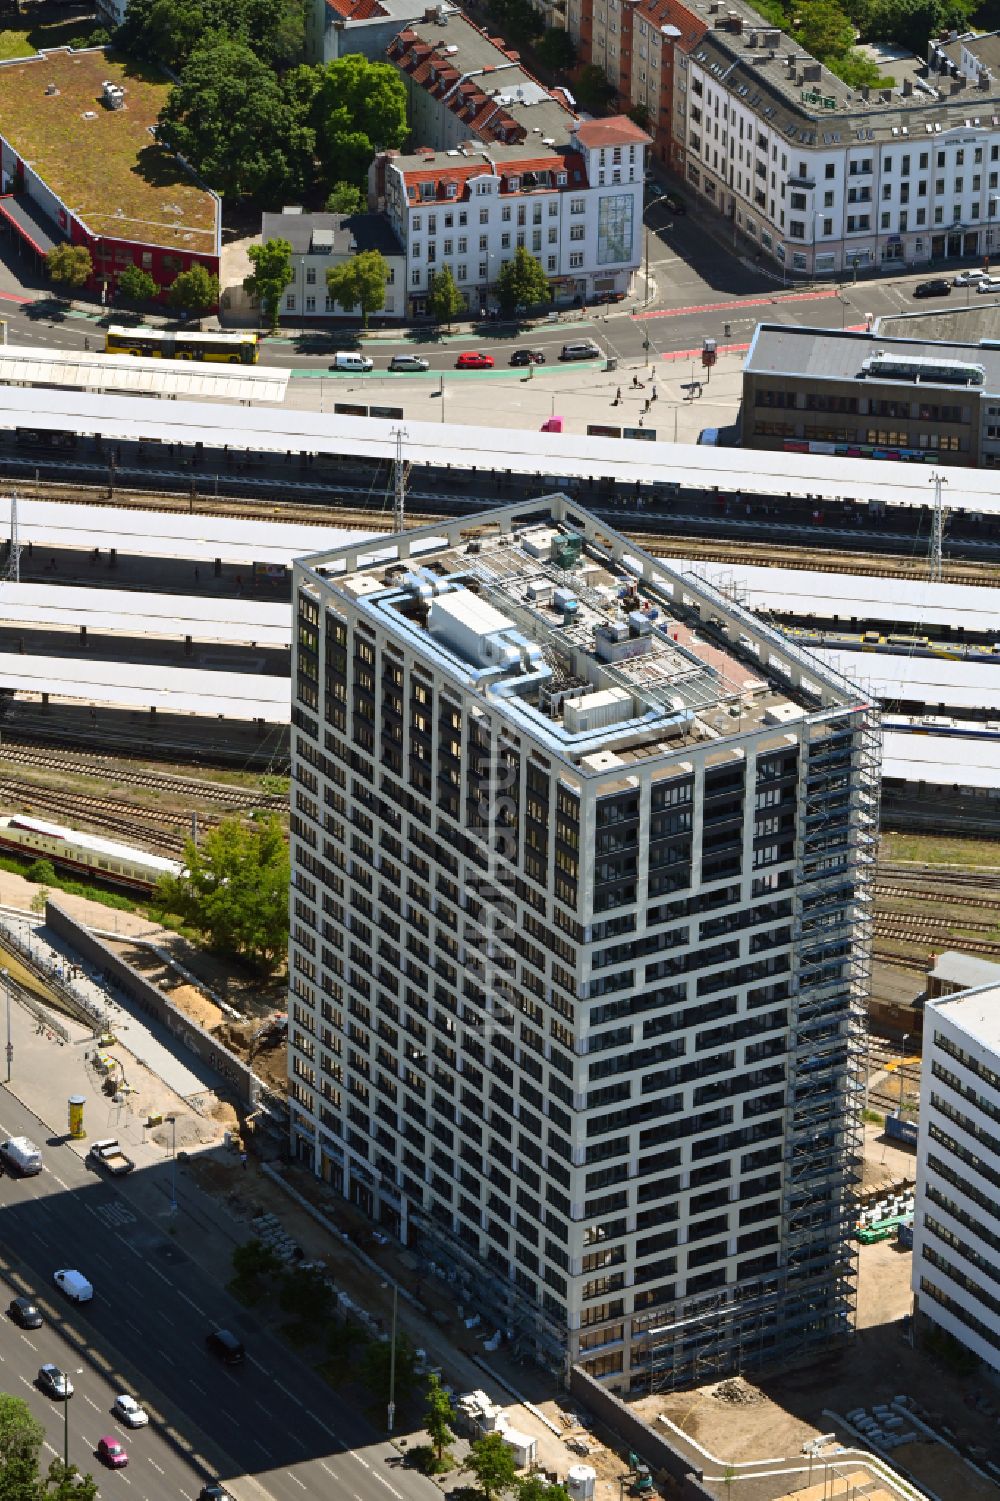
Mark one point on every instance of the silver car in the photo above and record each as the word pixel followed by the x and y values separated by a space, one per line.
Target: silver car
pixel 54 1382
pixel 127 1410
pixel 412 362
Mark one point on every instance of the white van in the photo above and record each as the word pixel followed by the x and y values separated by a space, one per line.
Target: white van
pixel 360 364
pixel 22 1155
pixel 74 1285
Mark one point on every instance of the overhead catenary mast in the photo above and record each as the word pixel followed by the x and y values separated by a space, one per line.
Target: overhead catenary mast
pixel 399 476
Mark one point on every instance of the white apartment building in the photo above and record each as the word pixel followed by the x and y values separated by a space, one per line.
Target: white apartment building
pixel 956 1228
pixel 823 178
pixel 581 858
pixel 320 241
pixel 579 212
pixel 502 164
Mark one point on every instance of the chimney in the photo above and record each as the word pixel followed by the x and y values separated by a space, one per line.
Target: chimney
pixel 958 84
pixel 984 81
pixel 865 93
pixel 791 68
pixel 812 73
pixel 885 95
pixel 907 87
pixel 735 23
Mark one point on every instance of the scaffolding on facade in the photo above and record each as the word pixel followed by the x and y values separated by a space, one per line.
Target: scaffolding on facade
pixel 809 1302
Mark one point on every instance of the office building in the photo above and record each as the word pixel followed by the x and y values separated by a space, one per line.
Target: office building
pixel 956 1228
pixel 582 858
pixel 861 395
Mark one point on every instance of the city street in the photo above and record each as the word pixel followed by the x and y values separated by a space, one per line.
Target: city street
pixel 268 1429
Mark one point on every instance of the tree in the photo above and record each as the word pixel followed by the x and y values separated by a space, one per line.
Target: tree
pixel 234 889
pixel 169 31
pixel 21 1434
pixel 492 1463
pixel 522 282
pixel 230 118
pixel 438 1416
pixel 376 1369
pixel 639 115
pixel 824 30
pixel 556 50
pixel 136 285
pixel 592 89
pixel 272 273
pixel 858 71
pixel 345 198
pixel 306 1296
pixel 359 109
pixel 66 1483
pixel 905 23
pixel 536 1488
pixel 360 282
pixel 444 300
pixel 70 265
pixel 194 291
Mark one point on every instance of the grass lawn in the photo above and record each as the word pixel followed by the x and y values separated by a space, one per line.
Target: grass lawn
pixel 934 849
pixel 24 41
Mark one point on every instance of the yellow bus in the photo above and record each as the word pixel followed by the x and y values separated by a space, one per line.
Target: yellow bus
pixel 165 343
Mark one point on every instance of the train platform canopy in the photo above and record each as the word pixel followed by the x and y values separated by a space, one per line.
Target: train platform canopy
pixel 170 534
pixel 557 459
pixel 24 365
pixel 938 683
pixel 234 622
pixel 139 685
pixel 846 597
pixel 942 760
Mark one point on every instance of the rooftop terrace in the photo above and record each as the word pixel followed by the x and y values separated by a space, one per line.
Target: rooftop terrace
pixel 104 164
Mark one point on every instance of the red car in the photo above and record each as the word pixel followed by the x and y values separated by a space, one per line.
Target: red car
pixel 474 361
pixel 111 1452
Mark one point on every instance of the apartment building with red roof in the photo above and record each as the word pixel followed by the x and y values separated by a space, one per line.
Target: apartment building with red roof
pixel 503 163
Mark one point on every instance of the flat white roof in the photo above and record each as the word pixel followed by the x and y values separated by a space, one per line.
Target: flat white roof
pixel 842 596
pixel 137 685
pixel 927 680
pixel 974 1012
pixel 941 760
pixel 550 456
pixel 29 366
pixel 237 622
pixel 170 534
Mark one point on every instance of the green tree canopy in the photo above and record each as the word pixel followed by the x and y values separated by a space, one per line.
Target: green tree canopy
pixel 518 21
pixel 21 1434
pixel 272 273
pixel 234 889
pixel 823 29
pixel 439 1415
pixel 194 291
pixel 169 31
pixel 592 88
pixel 70 265
pixel 491 1461
pixel 136 285
pixel 444 300
pixel 536 1488
pixel 66 1483
pixel 359 109
pixel 556 50
pixel 376 1368
pixel 522 282
pixel 229 116
pixel 360 282
pixel 345 198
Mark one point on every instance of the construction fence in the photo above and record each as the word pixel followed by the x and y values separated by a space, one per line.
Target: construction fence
pixel 654 1449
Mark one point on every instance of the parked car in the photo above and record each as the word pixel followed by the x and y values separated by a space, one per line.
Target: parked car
pixel 54 1382
pixel 674 204
pixel 937 288
pixel 473 360
pixel 25 1313
pixel 583 349
pixel 223 1342
pixel 111 1452
pixel 74 1285
pixel 989 284
pixel 968 278
pixel 528 357
pixel 409 362
pixel 127 1410
pixel 356 364
pixel 600 298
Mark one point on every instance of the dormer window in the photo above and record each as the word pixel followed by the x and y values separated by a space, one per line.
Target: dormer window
pixel 450 190
pixel 515 183
pixel 561 179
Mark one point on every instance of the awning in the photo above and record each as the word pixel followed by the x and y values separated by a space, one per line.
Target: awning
pixel 27 220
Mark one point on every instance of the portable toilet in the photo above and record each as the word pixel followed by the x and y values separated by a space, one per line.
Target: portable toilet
pixel 581 1483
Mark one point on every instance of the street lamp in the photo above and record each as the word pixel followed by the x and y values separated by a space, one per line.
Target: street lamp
pixel 172 1120
pixel 5 977
pixel 899 1111
pixel 391 1414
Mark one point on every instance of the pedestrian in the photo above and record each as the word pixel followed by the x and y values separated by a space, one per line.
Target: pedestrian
pixel 635 382
pixel 197 573
pixel 243 1161
pixel 653 398
pixel 618 397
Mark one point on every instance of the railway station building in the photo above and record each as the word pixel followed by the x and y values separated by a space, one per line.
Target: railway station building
pixel 78 163
pixel 581 862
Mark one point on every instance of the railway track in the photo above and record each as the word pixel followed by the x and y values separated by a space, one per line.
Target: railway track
pixel 89 811
pixel 659 544
pixel 936 895
pixel 899 933
pixel 107 768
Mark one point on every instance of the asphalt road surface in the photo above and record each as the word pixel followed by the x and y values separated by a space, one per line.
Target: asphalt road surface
pixel 268 1429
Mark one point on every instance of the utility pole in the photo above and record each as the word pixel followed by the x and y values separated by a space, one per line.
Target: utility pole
pixel 399 501
pixel 936 573
pixel 391 1415
pixel 5 977
pixel 13 569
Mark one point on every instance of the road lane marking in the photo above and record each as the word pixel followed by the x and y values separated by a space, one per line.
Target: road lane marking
pixel 229 1417
pixel 194 1305
pixel 156 1467
pixel 298 1482
pixel 27 1341
pixel 197 1387
pixel 323 1466
pixel 355 1455
pixel 92 1402
pixel 262 1407
pixel 164 1356
pixel 263 1447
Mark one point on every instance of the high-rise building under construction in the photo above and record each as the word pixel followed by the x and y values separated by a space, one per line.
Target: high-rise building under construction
pixel 582 875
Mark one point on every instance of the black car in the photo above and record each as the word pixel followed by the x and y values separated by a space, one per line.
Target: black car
pixel 937 288
pixel 213 1492
pixel 528 357
pixel 223 1342
pixel 674 204
pixel 25 1313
